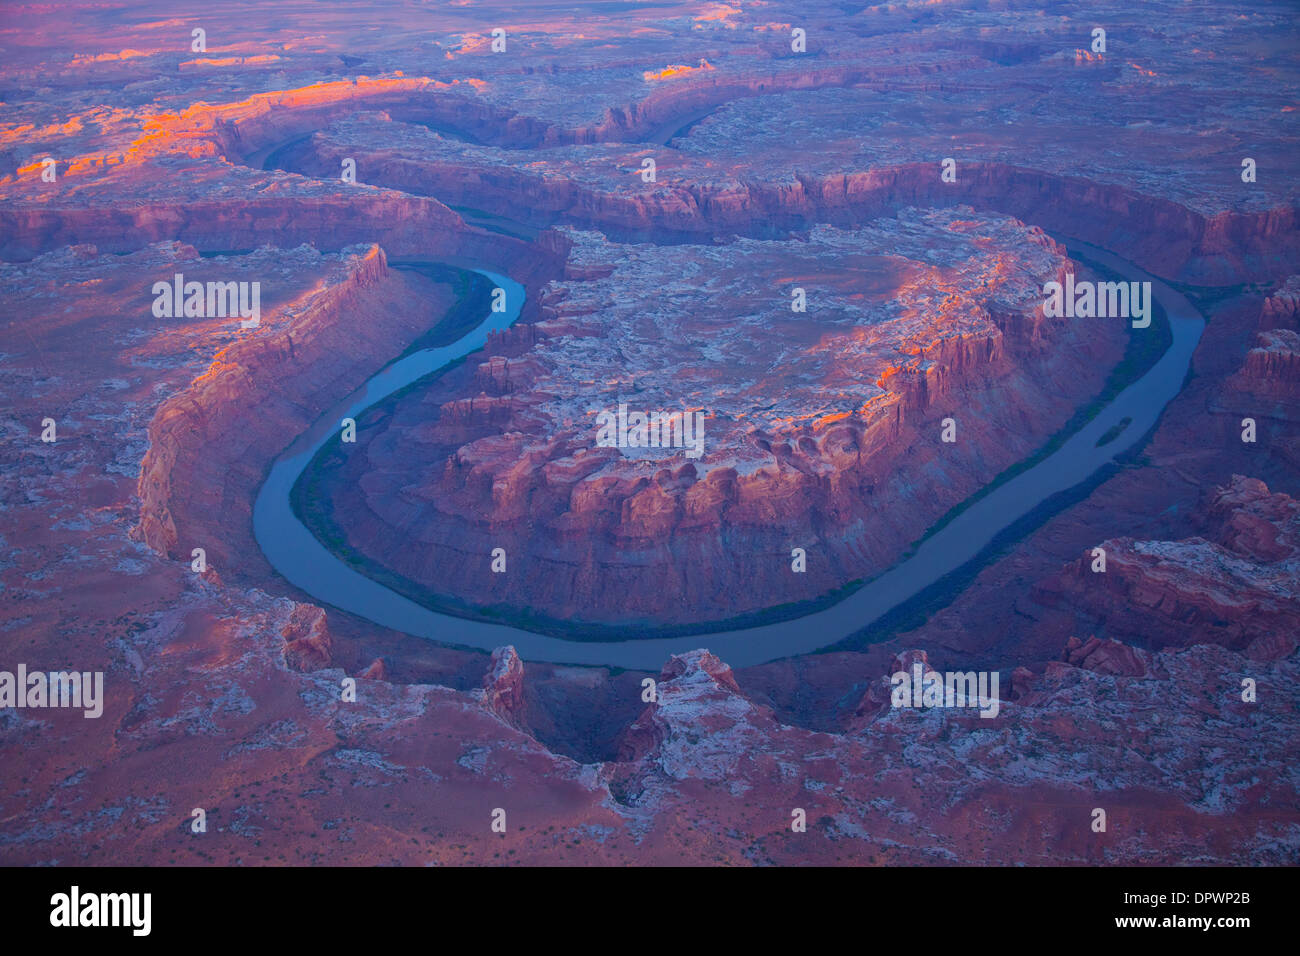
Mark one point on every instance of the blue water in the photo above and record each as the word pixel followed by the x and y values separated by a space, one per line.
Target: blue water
pixel 296 554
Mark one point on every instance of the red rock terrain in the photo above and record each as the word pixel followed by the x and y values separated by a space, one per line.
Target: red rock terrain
pixel 822 429
pixel 225 690
pixel 1235 586
pixel 1268 384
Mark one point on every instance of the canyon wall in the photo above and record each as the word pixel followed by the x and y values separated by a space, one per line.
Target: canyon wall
pixel 210 444
pixel 694 89
pixel 417 226
pixel 1268 382
pixel 1161 236
pixel 1232 585
pixel 483 459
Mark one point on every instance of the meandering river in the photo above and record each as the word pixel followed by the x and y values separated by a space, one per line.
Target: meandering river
pixel 304 561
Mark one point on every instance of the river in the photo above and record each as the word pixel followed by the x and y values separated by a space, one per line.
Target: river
pixel 305 562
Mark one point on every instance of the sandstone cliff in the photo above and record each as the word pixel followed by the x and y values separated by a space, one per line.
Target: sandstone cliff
pixel 1234 586
pixel 1268 383
pixel 211 441
pixel 822 431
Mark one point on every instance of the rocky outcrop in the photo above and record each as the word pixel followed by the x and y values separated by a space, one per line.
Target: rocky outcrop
pixel 307 643
pixel 1249 520
pixel 1273 365
pixel 1105 657
pixel 1268 384
pixel 376 670
pixel 696 700
pixel 877 698
pixel 503 686
pixel 213 438
pixel 1281 310
pixel 1234 587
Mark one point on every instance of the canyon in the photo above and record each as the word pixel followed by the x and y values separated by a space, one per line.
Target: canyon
pixel 823 170
pixel 816 423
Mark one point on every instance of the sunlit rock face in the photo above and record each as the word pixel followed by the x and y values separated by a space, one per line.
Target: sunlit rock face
pixel 811 379
pixel 1138 146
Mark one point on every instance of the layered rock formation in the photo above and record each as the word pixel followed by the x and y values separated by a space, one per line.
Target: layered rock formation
pixel 211 438
pixel 1235 586
pixel 693 196
pixel 1268 384
pixel 306 639
pixel 1106 657
pixel 223 687
pixel 503 686
pixel 821 429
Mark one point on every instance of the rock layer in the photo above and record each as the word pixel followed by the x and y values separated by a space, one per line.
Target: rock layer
pixel 1235 586
pixel 822 429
